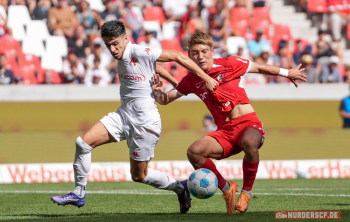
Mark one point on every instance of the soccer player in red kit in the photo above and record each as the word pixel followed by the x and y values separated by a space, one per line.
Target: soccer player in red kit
pixel 238 126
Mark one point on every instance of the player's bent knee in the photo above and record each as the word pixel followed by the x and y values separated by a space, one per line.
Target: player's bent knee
pixel 251 141
pixel 138 178
pixel 194 150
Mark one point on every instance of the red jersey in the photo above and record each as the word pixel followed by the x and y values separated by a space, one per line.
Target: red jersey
pixel 339 5
pixel 227 95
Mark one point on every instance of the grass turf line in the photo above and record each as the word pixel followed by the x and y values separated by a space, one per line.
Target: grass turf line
pixel 116 207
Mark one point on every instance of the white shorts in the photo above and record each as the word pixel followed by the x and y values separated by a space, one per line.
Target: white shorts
pixel 138 122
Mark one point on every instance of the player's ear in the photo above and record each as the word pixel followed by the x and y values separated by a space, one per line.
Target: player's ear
pixel 125 39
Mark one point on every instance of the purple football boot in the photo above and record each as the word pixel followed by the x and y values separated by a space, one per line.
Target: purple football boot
pixel 184 198
pixel 70 198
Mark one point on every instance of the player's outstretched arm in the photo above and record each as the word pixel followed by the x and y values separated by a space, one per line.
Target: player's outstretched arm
pixel 292 74
pixel 170 55
pixel 165 75
pixel 163 98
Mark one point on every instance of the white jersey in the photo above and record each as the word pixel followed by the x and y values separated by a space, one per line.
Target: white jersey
pixel 137 120
pixel 135 71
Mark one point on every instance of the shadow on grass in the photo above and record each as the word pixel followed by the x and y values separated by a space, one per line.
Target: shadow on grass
pixel 95 216
pixel 144 217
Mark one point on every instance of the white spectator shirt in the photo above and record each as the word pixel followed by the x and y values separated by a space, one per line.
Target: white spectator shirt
pixel 154 43
pixel 135 70
pixel 178 7
pixel 101 73
pixel 105 60
pixel 3 15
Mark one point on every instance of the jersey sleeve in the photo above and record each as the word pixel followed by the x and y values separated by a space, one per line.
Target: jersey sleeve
pixel 183 88
pixel 240 66
pixel 146 55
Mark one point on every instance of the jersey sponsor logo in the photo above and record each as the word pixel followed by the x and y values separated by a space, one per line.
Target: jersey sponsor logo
pixel 147 50
pixel 219 78
pixel 203 95
pixel 133 61
pixel 135 153
pixel 132 76
pixel 242 60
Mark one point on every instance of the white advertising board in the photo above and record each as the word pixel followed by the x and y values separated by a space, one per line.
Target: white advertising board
pixel 120 171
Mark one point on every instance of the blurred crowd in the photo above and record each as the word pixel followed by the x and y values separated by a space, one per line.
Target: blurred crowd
pixel 89 62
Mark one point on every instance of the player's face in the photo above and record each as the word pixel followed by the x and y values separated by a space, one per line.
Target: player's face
pixel 116 45
pixel 202 55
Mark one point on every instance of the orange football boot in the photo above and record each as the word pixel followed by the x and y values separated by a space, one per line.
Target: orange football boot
pixel 242 202
pixel 229 197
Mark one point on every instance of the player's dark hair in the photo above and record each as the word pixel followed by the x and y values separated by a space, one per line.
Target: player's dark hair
pixel 114 28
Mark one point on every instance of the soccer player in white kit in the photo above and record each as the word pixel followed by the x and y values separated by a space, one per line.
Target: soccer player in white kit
pixel 137 119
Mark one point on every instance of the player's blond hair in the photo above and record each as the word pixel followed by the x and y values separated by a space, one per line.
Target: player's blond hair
pixel 199 38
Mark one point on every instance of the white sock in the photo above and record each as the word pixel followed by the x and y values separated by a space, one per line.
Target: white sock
pixel 226 187
pixel 248 192
pixel 160 180
pixel 81 166
pixel 80 191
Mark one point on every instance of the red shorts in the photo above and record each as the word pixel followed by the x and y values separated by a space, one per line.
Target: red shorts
pixel 229 135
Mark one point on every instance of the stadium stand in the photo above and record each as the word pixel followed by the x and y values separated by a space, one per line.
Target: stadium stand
pixel 57 45
pixel 32 45
pixel 154 13
pixel 24 38
pixel 38 30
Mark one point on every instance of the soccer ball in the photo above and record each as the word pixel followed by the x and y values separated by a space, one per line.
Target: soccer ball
pixel 202 183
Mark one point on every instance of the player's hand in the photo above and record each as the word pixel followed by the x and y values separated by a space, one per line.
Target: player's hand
pixel 157 85
pixel 210 84
pixel 295 74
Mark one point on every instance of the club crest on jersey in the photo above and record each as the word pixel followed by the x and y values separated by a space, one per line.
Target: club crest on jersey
pixel 219 78
pixel 147 50
pixel 132 76
pixel 133 61
pixel 204 95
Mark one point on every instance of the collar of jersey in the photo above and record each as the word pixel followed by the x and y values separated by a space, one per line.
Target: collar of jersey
pixel 126 53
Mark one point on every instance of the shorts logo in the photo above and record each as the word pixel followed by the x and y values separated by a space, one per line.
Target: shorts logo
pixel 135 153
pixel 219 78
pixel 147 50
pixel 132 76
pixel 228 103
pixel 133 61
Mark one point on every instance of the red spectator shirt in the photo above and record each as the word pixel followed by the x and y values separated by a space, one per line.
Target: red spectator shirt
pixel 228 72
pixel 339 5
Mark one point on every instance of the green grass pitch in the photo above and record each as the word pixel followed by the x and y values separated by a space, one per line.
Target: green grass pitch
pixel 128 201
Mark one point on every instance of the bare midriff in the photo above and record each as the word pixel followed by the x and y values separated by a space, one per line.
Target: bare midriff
pixel 239 110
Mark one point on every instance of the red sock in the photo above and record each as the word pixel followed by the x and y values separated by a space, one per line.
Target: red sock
pixel 209 164
pixel 249 172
